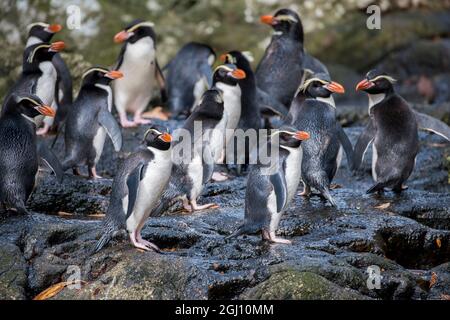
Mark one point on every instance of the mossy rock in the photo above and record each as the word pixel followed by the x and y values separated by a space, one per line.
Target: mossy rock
pixel 294 285
pixel 13 273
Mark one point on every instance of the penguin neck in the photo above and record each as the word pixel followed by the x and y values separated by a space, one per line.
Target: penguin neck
pixel 329 100
pixel 28 118
pixel 32 41
pixel 375 99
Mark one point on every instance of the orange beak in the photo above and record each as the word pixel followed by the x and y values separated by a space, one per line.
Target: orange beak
pixel 114 74
pixel 238 74
pixel 335 87
pixel 301 135
pixel 166 137
pixel 364 85
pixel 57 46
pixel 121 36
pixel 54 28
pixel 46 111
pixel 223 57
pixel 268 19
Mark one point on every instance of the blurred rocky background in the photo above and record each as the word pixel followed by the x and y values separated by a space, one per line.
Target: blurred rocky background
pixel 413 43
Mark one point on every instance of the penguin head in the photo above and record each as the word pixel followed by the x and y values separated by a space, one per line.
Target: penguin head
pixel 157 137
pixel 42 52
pixel 228 74
pixel 28 105
pixel 43 31
pixel 241 59
pixel 135 31
pixel 290 137
pixel 99 75
pixel 320 86
pixel 376 82
pixel 285 22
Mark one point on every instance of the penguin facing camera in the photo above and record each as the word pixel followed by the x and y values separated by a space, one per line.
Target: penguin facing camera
pixel 38 33
pixel 90 120
pixel 140 180
pixel 314 110
pixel 393 132
pixel 188 76
pixel 270 191
pixel 19 153
pixel 137 59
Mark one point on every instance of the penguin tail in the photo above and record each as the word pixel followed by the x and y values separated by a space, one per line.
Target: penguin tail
pixel 376 188
pixel 327 195
pixel 110 228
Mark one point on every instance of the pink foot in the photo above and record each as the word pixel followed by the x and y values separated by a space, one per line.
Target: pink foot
pixel 125 123
pixel 219 177
pixel 43 131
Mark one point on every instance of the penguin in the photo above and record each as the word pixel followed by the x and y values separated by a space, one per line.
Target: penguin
pixel 217 112
pixel 270 189
pixel 280 71
pixel 90 120
pixel 393 131
pixel 19 153
pixel 38 73
pixel 40 32
pixel 314 110
pixel 137 59
pixel 189 74
pixel 250 112
pixel 140 180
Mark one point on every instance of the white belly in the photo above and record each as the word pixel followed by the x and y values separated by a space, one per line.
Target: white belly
pixel 339 159
pixel 374 162
pixel 151 187
pixel 195 173
pixel 272 208
pixel 99 143
pixel 293 172
pixel 134 91
pixel 232 106
pixel 45 89
pixel 217 139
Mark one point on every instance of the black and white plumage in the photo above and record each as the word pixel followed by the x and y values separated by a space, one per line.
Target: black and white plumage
pixel 393 131
pixel 280 71
pixel 314 110
pixel 188 76
pixel 137 61
pixel 39 75
pixel 140 180
pixel 271 188
pixel 218 107
pixel 40 33
pixel 19 153
pixel 90 120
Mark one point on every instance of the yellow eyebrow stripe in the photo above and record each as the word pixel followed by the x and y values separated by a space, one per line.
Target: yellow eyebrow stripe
pixel 142 24
pixel 92 70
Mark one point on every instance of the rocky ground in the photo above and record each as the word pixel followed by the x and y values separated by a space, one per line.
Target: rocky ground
pixel 406 236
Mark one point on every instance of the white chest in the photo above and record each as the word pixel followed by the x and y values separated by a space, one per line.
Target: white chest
pixel 375 99
pixel 293 171
pixel 232 103
pixel 138 62
pixel 45 86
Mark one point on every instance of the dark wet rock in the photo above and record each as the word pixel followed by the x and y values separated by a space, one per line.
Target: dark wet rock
pixel 293 285
pixel 406 236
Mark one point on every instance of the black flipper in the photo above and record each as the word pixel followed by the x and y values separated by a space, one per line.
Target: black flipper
pixel 107 121
pixel 133 181
pixel 270 106
pixel 346 144
pixel 434 125
pixel 362 144
pixel 279 187
pixel 51 161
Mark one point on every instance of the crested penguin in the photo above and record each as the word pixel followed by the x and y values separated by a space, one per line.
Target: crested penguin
pixel 90 120
pixel 270 188
pixel 207 129
pixel 280 71
pixel 393 131
pixel 250 121
pixel 38 74
pixel 19 153
pixel 40 32
pixel 140 180
pixel 314 110
pixel 137 59
pixel 188 75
